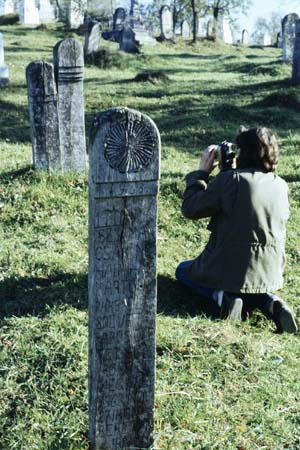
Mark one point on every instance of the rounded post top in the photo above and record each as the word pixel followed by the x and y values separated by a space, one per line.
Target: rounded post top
pixel 68 53
pixel 124 145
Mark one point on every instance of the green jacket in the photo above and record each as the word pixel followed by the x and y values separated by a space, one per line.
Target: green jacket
pixel 246 248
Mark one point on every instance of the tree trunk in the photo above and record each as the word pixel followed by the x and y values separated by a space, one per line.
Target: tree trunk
pixel 195 17
pixel 216 12
pixel 175 16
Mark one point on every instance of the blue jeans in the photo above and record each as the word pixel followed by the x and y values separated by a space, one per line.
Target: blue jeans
pixel 182 276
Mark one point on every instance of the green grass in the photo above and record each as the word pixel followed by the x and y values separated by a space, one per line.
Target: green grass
pixel 219 385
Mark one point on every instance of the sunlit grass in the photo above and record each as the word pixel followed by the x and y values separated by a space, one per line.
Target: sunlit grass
pixel 219 386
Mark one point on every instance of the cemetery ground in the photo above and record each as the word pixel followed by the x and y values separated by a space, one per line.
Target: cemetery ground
pixel 219 385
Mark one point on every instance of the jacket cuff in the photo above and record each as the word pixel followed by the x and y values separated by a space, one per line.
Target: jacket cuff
pixel 197 177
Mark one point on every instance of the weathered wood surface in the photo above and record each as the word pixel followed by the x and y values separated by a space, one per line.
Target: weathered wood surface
pixel 68 65
pixel 123 185
pixel 42 100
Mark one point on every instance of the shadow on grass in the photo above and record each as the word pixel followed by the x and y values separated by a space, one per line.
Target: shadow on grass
pixel 174 299
pixel 14 123
pixel 291 178
pixel 13 174
pixel 36 295
pixel 13 49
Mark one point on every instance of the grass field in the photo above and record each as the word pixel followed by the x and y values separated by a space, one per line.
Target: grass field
pixel 219 385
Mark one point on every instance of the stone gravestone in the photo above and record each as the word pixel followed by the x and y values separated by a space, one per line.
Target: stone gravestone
pixel 185 29
pixel 209 28
pixel 119 19
pixel 128 43
pixel 288 26
pixel 267 39
pixel 3 66
pixel 92 37
pixel 75 14
pixel 201 27
pixel 296 56
pixel 68 65
pixel 47 12
pixel 166 23
pixel 245 37
pixel 123 185
pixel 29 14
pixel 42 101
pixel 226 34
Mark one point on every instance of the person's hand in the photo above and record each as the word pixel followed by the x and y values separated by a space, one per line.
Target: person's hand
pixel 208 160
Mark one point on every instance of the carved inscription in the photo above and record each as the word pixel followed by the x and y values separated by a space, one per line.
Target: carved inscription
pixel 122 303
pixel 126 189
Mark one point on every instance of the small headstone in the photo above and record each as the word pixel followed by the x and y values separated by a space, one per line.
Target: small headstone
pixel 166 23
pixel 68 65
pixel 201 27
pixel 76 13
pixel 226 31
pixel 92 37
pixel 267 39
pixel 288 25
pixel 128 43
pixel 119 19
pixel 123 185
pixel 3 66
pixel 185 29
pixel 245 37
pixel 42 101
pixel 209 28
pixel 296 56
pixel 47 12
pixel 29 14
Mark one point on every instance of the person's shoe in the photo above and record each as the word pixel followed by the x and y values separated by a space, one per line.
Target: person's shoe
pixel 231 307
pixel 283 317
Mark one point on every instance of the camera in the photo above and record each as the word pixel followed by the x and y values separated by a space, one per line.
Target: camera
pixel 225 155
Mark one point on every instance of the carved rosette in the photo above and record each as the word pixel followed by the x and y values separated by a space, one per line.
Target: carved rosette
pixel 129 146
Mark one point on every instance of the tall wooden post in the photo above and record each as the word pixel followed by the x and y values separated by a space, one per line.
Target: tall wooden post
pixel 123 186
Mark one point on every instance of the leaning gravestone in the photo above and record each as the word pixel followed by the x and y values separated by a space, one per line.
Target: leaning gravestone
pixel 42 101
pixel 3 66
pixel 92 37
pixel 119 19
pixel 68 65
pixel 127 42
pixel 185 29
pixel 288 26
pixel 296 56
pixel 166 23
pixel 123 186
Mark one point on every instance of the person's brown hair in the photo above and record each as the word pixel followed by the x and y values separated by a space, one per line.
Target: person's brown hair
pixel 258 149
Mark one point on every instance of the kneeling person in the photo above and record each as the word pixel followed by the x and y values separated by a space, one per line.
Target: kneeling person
pixel 244 258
